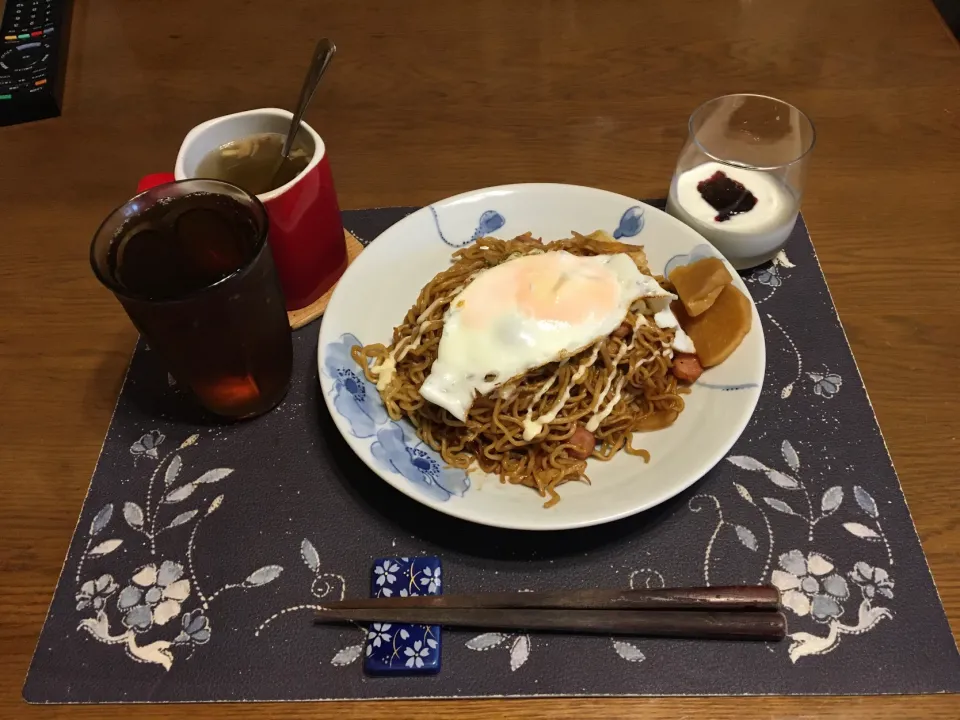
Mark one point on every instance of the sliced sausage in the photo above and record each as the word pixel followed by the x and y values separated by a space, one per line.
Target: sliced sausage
pixel 686 367
pixel 622 331
pixel 584 442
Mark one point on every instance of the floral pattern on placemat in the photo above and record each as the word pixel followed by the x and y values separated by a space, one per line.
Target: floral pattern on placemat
pixel 202 550
pixel 161 609
pixel 811 585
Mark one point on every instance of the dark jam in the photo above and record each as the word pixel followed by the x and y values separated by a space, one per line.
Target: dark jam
pixel 726 196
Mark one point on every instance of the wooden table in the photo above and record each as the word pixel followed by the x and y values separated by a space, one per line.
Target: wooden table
pixel 427 99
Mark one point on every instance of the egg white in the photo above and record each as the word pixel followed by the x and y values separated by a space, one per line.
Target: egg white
pixel 476 357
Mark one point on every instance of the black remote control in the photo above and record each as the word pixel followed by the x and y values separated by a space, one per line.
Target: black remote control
pixel 33 56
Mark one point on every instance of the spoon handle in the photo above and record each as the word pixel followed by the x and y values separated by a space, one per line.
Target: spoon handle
pixel 322 55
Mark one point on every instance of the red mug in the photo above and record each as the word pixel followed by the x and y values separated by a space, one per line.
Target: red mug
pixel 306 233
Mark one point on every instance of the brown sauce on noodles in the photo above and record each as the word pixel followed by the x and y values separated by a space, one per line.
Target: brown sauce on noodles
pixel 628 382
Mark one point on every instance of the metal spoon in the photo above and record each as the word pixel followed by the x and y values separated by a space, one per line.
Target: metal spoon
pixel 322 55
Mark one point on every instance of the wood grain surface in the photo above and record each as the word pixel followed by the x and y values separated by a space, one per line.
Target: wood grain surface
pixel 431 98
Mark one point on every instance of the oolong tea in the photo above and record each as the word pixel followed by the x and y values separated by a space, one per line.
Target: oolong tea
pixel 253 162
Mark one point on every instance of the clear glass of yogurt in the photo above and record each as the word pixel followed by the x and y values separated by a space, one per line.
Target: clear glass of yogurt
pixel 741 174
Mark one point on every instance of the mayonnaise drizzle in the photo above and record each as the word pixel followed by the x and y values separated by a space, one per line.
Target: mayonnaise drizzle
pixel 384 371
pixel 595 421
pixel 532 428
pixel 528 423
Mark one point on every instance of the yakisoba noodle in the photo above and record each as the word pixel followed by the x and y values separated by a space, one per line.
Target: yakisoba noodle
pixel 613 388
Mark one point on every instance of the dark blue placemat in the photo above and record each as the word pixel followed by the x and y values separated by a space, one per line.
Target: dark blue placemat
pixel 201 549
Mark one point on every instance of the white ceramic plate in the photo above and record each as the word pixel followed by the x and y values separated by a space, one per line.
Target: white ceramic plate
pixel 382 284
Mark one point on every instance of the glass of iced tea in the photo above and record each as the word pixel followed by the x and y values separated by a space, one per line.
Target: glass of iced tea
pixel 190 263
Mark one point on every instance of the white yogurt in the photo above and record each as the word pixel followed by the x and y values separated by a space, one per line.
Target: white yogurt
pixel 746 239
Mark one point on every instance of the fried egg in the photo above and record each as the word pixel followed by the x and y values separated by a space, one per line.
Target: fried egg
pixel 533 310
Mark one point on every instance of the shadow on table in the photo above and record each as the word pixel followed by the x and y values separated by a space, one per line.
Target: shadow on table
pixel 470 538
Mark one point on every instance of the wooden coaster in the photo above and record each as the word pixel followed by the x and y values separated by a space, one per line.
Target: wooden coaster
pixel 306 315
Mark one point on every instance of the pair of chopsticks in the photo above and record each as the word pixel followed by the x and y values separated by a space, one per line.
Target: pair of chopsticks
pixel 744 612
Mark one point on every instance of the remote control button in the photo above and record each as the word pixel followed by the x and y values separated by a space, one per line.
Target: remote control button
pixel 24 56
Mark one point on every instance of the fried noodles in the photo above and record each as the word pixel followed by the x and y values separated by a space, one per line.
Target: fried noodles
pixel 522 430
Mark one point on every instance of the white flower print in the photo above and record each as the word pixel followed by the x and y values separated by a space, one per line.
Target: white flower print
pixel 768 276
pixel 154 596
pixel 384 572
pixel 147 444
pixel 825 384
pixel 377 635
pixel 162 610
pixel 94 593
pixel 809 585
pixel 872 580
pixel 196 628
pixel 419 651
pixel 431 578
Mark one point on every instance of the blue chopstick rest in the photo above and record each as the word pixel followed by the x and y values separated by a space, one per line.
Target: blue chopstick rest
pixel 396 648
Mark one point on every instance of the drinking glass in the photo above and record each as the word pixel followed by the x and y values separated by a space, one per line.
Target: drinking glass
pixel 741 175
pixel 190 264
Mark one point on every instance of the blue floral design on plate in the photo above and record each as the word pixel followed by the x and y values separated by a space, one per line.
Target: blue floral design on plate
pixel 631 223
pixel 490 221
pixel 396 446
pixel 354 397
pixel 399 450
pixel 698 253
pixel 398 648
pixel 726 388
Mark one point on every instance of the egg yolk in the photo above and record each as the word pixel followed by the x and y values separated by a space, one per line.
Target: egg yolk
pixel 545 287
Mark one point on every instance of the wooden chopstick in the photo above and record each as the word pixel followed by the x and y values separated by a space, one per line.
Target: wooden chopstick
pixel 733 598
pixel 731 625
